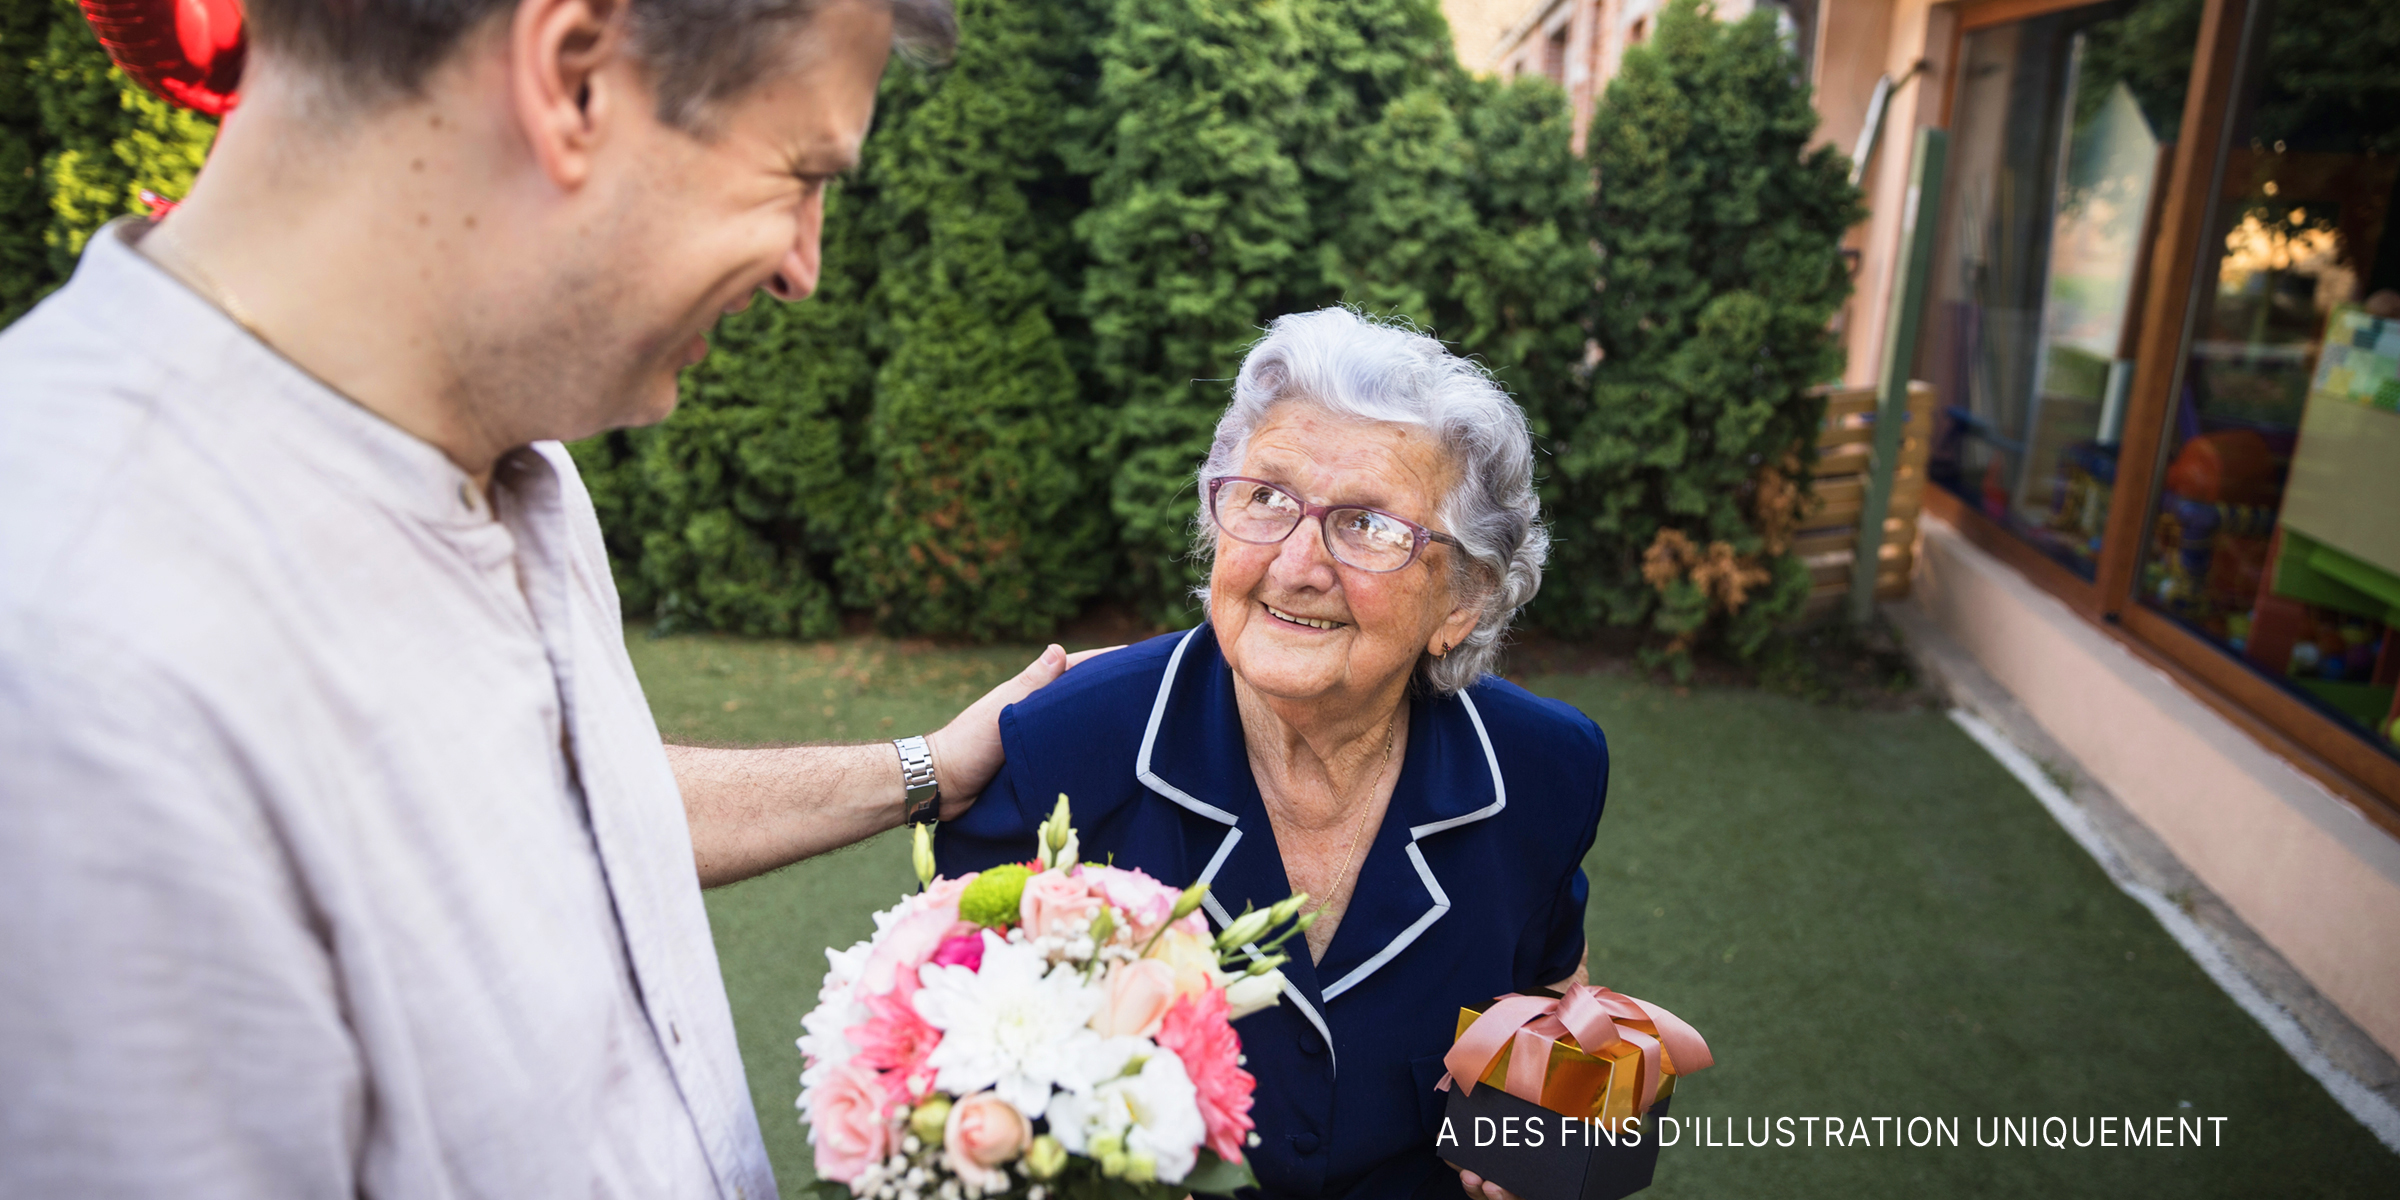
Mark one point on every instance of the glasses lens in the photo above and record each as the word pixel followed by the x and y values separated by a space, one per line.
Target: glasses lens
pixel 1369 540
pixel 1254 512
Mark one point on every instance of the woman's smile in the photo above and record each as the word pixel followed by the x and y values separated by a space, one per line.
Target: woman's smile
pixel 1291 618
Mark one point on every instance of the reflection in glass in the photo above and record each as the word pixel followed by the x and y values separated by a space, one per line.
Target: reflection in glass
pixel 2061 132
pixel 2275 530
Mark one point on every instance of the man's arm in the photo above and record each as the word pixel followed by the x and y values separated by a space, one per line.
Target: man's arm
pixel 755 810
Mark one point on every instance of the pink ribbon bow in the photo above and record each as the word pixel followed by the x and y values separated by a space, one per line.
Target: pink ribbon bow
pixel 1533 1024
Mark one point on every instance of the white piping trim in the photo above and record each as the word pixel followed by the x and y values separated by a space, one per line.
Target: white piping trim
pixel 1216 909
pixel 2379 1115
pixel 1141 763
pixel 1224 848
pixel 1499 786
pixel 1441 904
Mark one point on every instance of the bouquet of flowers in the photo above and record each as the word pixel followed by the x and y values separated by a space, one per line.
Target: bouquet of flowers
pixel 1044 1029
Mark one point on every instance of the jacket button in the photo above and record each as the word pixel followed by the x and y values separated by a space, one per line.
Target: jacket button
pixel 1311 1045
pixel 1305 1143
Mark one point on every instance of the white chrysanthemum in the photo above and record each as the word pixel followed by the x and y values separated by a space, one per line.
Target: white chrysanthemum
pixel 824 1047
pixel 1015 1026
pixel 1153 1110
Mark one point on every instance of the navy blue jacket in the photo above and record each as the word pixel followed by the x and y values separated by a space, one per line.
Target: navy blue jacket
pixel 1473 887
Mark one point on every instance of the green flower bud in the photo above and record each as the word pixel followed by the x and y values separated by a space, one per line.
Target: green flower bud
pixel 1113 1165
pixel 1103 926
pixel 1244 930
pixel 1107 1144
pixel 930 1119
pixel 1286 909
pixel 1189 902
pixel 1140 1167
pixel 1268 963
pixel 1055 829
pixel 921 853
pixel 990 900
pixel 1045 1158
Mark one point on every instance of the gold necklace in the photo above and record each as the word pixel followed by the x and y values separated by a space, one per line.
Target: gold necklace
pixel 1350 853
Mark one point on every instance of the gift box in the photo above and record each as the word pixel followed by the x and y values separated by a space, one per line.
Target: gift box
pixel 1554 1096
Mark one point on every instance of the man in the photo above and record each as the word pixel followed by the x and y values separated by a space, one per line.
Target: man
pixel 338 852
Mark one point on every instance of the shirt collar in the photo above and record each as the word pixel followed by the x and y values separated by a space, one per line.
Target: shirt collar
pixel 1192 753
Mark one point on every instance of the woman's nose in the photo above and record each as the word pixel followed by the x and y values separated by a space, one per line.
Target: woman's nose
pixel 1303 560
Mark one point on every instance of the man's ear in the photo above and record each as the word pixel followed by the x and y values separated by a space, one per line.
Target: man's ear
pixel 557 52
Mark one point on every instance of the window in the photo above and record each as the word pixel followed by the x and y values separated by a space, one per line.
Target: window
pixel 1554 54
pixel 2274 525
pixel 2062 126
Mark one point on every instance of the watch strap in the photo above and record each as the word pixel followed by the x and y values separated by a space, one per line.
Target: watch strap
pixel 923 803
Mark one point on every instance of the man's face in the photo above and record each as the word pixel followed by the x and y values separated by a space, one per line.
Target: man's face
pixel 679 229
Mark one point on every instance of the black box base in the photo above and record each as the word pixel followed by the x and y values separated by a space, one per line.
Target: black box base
pixel 1554 1170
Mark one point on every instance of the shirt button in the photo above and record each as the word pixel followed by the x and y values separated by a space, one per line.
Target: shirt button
pixel 1305 1143
pixel 466 495
pixel 675 1033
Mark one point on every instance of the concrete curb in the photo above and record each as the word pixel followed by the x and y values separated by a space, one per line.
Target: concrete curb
pixel 2355 1071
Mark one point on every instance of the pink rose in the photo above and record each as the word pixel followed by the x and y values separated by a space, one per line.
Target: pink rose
pixel 905 946
pixel 1197 1031
pixel 1055 898
pixel 984 1134
pixel 1146 902
pixel 849 1122
pixel 942 893
pixel 1137 996
pixel 965 950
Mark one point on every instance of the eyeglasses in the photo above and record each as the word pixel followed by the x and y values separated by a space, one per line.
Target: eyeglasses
pixel 1262 514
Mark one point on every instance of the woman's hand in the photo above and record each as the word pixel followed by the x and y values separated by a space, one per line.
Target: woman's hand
pixel 1481 1188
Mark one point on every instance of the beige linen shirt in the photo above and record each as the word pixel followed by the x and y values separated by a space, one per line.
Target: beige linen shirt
pixel 338 852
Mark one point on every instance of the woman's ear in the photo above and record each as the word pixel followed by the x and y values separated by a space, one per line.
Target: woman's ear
pixel 564 96
pixel 1453 631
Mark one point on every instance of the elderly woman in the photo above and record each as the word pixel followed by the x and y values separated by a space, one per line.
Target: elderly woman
pixel 1332 729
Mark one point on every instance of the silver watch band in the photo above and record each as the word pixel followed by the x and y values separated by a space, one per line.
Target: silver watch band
pixel 923 805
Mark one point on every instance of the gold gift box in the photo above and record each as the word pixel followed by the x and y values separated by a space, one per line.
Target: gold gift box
pixel 1606 1087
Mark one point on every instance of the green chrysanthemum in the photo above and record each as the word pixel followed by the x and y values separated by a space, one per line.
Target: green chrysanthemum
pixel 991 900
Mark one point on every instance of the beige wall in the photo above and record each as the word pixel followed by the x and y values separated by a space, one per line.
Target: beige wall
pixel 2311 875
pixel 1476 26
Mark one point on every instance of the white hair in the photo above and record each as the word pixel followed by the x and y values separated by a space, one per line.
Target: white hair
pixel 1374 370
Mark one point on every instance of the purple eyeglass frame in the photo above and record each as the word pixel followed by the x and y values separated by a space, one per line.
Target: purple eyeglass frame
pixel 1320 513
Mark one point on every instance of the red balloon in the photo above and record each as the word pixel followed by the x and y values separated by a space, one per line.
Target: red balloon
pixel 188 52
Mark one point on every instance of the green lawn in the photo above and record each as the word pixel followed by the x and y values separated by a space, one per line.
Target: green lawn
pixel 1864 914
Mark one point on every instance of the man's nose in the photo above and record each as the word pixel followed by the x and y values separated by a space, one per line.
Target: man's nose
pixel 796 277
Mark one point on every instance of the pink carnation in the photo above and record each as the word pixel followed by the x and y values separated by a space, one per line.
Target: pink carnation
pixel 1197 1031
pixel 904 947
pixel 962 950
pixel 894 1041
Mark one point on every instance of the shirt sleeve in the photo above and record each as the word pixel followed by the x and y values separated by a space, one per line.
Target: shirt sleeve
pixel 169 1014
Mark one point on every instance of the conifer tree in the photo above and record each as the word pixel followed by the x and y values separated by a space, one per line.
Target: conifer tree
pixel 988 518
pixel 1676 488
pixel 731 514
pixel 109 138
pixel 25 272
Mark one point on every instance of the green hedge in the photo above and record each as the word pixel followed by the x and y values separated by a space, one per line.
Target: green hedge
pixel 79 141
pixel 1058 246
pixel 1678 482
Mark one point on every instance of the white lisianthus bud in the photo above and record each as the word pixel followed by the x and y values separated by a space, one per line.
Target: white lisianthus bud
pixel 1244 930
pixel 1246 993
pixel 1189 902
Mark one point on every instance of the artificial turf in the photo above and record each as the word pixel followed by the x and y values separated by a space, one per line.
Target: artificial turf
pixel 1865 915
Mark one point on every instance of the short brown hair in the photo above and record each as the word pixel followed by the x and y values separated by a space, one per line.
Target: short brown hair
pixel 700 52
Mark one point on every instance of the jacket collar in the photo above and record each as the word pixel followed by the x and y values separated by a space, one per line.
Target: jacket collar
pixel 1193 755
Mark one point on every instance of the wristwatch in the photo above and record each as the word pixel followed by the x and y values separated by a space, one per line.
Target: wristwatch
pixel 923 805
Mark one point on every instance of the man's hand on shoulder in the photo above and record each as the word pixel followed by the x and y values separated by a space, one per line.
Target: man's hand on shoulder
pixel 752 811
pixel 966 752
